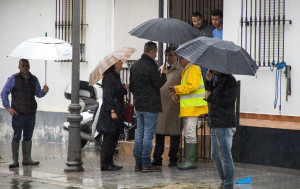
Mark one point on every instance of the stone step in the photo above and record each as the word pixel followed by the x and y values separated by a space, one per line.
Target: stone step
pixel 204 131
pixel 126 147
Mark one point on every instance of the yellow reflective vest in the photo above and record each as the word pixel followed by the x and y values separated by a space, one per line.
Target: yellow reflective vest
pixel 191 92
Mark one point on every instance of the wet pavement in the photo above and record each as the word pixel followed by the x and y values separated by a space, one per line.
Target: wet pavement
pixel 13 182
pixel 52 156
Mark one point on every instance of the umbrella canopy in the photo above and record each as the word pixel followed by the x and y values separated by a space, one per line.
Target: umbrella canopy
pixel 219 55
pixel 167 30
pixel 43 48
pixel 120 55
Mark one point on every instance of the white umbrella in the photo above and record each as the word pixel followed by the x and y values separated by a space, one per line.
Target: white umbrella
pixel 43 48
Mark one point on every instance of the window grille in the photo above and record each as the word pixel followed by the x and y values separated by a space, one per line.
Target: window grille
pixel 63 23
pixel 183 9
pixel 262 30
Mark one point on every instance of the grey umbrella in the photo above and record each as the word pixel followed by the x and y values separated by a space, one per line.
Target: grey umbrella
pixel 167 30
pixel 219 55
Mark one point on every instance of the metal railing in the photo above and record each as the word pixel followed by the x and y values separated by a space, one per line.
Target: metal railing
pixel 263 30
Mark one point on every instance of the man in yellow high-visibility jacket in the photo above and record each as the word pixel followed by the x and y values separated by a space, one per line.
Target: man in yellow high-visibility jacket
pixel 190 93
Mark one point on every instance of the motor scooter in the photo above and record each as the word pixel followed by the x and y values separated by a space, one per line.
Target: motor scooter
pixel 90 100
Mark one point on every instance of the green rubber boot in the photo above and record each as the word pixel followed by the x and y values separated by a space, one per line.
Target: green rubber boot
pixel 26 149
pixel 15 154
pixel 190 157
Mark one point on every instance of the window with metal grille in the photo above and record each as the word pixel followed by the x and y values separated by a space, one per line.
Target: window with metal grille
pixel 183 9
pixel 262 30
pixel 63 23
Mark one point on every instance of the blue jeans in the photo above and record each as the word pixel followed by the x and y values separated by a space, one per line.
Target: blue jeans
pixel 146 126
pixel 221 143
pixel 25 123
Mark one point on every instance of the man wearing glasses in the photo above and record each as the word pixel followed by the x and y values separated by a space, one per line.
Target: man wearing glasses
pixel 168 123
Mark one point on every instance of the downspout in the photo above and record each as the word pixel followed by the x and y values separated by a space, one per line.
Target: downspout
pixel 160 44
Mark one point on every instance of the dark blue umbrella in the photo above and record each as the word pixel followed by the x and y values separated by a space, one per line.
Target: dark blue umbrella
pixel 219 55
pixel 167 30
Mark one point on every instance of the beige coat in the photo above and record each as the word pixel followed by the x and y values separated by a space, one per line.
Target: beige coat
pixel 169 122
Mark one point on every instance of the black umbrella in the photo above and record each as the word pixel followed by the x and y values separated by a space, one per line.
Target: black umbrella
pixel 219 55
pixel 167 30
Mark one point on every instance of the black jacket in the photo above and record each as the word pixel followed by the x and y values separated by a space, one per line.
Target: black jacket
pixel 222 102
pixel 145 84
pixel 206 30
pixel 23 92
pixel 113 99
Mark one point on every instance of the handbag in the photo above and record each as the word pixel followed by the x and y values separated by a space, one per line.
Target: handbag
pixel 129 109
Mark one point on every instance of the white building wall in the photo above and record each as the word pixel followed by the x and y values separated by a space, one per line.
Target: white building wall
pixel 258 93
pixel 128 15
pixel 21 20
pixel 108 25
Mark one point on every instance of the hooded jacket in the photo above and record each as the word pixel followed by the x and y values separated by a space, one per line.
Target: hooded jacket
pixel 193 79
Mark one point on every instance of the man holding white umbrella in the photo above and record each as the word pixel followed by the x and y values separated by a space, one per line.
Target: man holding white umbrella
pixel 23 86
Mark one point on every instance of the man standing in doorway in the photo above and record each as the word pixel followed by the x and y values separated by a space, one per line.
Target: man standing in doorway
pixel 190 93
pixel 204 30
pixel 23 86
pixel 217 21
pixel 145 84
pixel 169 123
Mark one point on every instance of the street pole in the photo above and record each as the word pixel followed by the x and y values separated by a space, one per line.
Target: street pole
pixel 160 44
pixel 74 161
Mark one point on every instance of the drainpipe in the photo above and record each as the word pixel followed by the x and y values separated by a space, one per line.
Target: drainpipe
pixel 160 44
pixel 74 161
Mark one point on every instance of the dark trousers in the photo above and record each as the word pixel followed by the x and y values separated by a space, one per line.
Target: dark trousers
pixel 25 123
pixel 109 145
pixel 160 145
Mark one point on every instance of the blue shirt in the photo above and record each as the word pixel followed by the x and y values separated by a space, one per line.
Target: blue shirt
pixel 9 85
pixel 218 33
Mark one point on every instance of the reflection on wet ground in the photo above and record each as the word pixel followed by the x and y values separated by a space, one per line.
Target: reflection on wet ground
pixel 50 173
pixel 7 182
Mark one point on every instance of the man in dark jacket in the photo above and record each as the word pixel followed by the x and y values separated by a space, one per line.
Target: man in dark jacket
pixel 205 30
pixel 221 94
pixel 145 84
pixel 23 86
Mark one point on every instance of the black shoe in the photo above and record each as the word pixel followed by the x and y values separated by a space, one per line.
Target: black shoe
pixel 151 168
pixel 173 164
pixel 156 163
pixel 111 168
pixel 138 168
pixel 119 166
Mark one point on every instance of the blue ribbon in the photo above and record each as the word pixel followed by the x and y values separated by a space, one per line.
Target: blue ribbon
pixel 279 66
